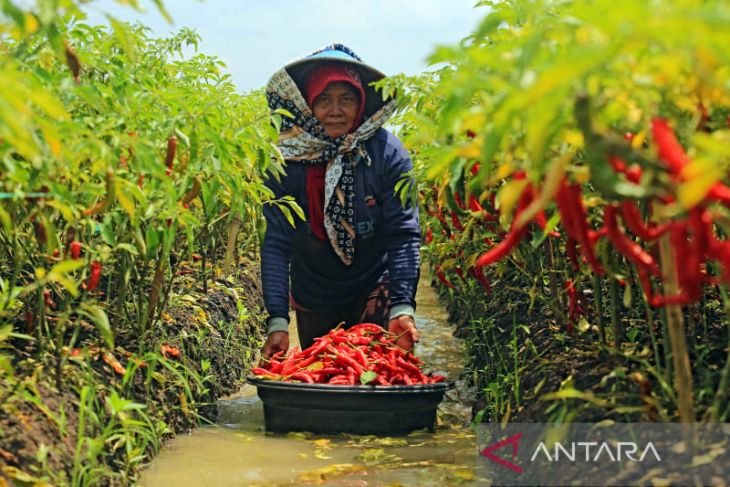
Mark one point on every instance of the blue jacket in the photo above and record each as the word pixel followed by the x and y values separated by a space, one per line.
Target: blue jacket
pixel 386 246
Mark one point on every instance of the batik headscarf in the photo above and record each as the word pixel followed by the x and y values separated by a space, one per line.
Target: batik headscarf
pixel 303 139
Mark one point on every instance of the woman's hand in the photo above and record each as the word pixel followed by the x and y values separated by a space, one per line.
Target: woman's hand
pixel 405 328
pixel 275 342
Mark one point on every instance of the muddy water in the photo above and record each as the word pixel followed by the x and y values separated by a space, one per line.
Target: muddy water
pixel 238 452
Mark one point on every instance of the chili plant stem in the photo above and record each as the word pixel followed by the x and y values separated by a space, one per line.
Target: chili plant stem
pixel 713 413
pixel 675 323
pixel 615 318
pixel 598 302
pixel 233 228
pixel 652 336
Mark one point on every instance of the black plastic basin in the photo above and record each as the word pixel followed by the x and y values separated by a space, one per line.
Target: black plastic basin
pixel 365 410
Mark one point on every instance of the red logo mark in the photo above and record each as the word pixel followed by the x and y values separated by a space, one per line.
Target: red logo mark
pixel 512 440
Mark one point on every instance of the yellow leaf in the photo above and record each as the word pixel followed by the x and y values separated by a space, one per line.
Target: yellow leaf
pixel 126 202
pixel 50 134
pixel 574 138
pixel 581 174
pixel 5 219
pixel 509 194
pixel 31 23
pixel 470 151
pixel 699 176
pixel 638 141
pixel 504 170
pixel 570 393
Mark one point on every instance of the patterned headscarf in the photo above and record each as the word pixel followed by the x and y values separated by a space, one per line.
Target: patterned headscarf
pixel 303 139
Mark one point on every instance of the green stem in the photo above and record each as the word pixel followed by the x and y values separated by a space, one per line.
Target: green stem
pixel 713 413
pixel 598 297
pixel 615 318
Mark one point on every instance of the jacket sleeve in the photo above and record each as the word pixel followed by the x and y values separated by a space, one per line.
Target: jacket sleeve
pixel 275 258
pixel 402 234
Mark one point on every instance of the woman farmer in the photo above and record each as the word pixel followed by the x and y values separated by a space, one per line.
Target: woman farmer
pixel 356 257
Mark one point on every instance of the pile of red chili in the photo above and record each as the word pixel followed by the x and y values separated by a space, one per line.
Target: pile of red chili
pixel 362 354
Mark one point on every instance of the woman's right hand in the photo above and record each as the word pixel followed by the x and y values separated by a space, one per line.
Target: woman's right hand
pixel 275 342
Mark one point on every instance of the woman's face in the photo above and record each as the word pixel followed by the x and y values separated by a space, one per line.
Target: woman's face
pixel 336 108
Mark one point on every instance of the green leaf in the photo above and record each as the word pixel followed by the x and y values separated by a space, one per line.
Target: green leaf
pixel 6 221
pixel 101 320
pixel 367 377
pixel 125 38
pixel 161 7
pixel 5 332
pixel 67 266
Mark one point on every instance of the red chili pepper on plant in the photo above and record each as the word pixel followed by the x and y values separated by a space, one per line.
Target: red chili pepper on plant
pixel 669 148
pixel 94 276
pixel 441 277
pixel 630 249
pixel 456 222
pixel 575 221
pixel 75 249
pixel 634 222
pixel 170 156
pixel 429 236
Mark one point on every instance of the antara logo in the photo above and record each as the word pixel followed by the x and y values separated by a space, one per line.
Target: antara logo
pixel 621 450
pixel 588 451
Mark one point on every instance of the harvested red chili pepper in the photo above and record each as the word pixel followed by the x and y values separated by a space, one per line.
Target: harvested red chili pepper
pixel 343 356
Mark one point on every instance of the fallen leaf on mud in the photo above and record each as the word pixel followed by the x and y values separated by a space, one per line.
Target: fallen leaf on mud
pixel 114 363
pixel 376 456
pixel 8 456
pixel 166 317
pixel 17 474
pixel 388 441
pixel 168 351
pixel 140 363
pixel 465 475
pixel 298 435
pixel 320 475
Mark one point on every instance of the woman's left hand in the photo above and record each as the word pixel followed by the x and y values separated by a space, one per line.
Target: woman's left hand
pixel 404 327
